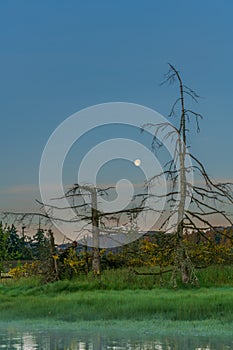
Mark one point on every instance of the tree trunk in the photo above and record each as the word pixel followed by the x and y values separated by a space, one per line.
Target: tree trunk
pixel 95 232
pixel 182 263
pixel 182 258
pixel 53 261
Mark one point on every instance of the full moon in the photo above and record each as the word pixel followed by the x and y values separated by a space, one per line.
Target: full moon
pixel 137 162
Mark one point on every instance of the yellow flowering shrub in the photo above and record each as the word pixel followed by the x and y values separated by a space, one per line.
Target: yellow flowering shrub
pixel 26 270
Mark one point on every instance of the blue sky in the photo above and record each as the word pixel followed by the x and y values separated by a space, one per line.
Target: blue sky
pixel 58 57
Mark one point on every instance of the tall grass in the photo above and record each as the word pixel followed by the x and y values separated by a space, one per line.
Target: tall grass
pixel 215 276
pixel 137 305
pixel 119 279
pixel 120 295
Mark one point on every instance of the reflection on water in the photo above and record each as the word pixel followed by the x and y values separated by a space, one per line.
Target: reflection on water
pixel 70 340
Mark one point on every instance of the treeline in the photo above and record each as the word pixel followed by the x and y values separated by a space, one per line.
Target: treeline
pixel 15 246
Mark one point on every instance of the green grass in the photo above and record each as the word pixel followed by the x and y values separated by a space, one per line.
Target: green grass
pixel 120 279
pixel 216 276
pixel 119 296
pixel 138 305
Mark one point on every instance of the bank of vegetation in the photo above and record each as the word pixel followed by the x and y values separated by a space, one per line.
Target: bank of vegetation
pixel 134 283
pixel 116 298
pixel 146 262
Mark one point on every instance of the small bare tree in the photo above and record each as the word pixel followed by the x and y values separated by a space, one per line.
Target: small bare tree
pixel 207 197
pixel 92 223
pixel 105 225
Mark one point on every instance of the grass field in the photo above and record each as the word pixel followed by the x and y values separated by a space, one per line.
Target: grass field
pixel 137 305
pixel 119 296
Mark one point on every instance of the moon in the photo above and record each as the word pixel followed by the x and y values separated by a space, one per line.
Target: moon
pixel 137 162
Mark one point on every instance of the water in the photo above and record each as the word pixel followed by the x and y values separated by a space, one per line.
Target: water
pixel 58 339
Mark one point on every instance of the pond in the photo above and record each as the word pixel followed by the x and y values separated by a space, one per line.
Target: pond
pixel 12 337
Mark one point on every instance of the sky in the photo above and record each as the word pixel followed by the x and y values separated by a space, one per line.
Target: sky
pixel 58 57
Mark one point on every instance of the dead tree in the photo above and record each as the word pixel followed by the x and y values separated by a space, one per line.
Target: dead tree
pixel 84 202
pixel 207 197
pixel 93 224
